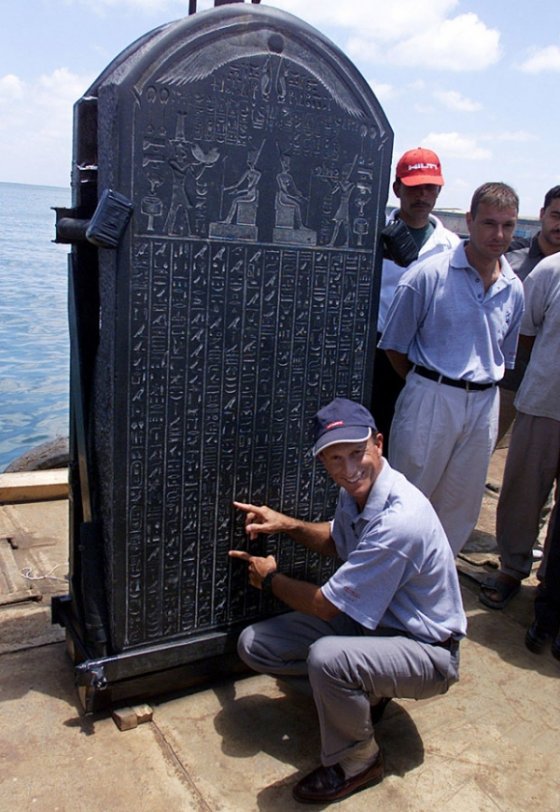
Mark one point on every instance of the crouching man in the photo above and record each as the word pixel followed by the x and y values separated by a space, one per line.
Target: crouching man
pixel 386 624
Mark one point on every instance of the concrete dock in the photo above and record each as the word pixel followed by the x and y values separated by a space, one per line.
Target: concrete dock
pixel 492 743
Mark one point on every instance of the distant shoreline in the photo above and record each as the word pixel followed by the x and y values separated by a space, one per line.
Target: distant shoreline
pixel 35 185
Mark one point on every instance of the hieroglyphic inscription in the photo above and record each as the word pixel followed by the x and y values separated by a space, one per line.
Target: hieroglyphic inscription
pixel 269 148
pixel 246 342
pixel 245 300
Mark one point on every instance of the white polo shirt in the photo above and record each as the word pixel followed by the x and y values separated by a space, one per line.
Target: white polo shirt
pixel 442 318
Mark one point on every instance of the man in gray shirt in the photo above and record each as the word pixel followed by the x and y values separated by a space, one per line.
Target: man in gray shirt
pixel 522 261
pixel 386 624
pixel 533 460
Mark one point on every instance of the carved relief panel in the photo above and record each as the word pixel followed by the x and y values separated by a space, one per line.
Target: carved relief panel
pixel 242 298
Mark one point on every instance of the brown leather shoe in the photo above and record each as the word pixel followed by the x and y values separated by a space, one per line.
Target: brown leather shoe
pixel 326 784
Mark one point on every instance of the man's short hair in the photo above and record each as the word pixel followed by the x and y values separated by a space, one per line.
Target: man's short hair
pixel 495 194
pixel 551 195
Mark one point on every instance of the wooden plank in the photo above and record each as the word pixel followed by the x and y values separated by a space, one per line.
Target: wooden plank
pixel 13 586
pixel 33 486
pixel 130 717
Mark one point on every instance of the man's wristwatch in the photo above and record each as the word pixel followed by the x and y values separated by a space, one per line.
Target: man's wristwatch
pixel 266 583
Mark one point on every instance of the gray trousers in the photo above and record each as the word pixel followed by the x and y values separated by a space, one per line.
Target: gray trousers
pixel 349 668
pixel 442 438
pixel 532 467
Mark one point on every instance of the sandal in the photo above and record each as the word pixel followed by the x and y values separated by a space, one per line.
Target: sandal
pixel 504 589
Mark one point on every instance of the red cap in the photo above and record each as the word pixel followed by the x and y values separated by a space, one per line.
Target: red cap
pixel 419 166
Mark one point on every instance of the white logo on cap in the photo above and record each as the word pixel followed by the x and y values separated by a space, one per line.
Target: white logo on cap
pixel 421 166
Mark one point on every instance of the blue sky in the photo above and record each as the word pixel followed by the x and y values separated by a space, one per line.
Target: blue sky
pixel 476 81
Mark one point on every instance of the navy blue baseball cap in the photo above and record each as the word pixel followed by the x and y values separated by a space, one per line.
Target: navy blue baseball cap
pixel 342 421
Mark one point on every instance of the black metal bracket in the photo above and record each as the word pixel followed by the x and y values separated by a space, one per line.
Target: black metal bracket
pixel 192 4
pixel 104 229
pixel 91 675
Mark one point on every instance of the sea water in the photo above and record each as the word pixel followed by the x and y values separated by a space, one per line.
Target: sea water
pixel 34 342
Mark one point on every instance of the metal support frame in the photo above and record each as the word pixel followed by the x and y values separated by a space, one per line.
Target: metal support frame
pixel 192 4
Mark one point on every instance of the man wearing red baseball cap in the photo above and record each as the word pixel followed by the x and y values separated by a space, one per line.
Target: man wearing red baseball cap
pixel 418 166
pixel 412 233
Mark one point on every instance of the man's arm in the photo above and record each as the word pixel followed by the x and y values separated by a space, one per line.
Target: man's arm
pixel 300 596
pixel 510 340
pixel 316 536
pixel 399 362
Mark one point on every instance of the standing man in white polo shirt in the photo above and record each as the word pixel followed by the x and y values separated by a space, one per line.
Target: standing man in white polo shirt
pixel 413 233
pixel 451 331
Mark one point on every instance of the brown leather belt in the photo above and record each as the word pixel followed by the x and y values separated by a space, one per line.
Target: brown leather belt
pixel 435 376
